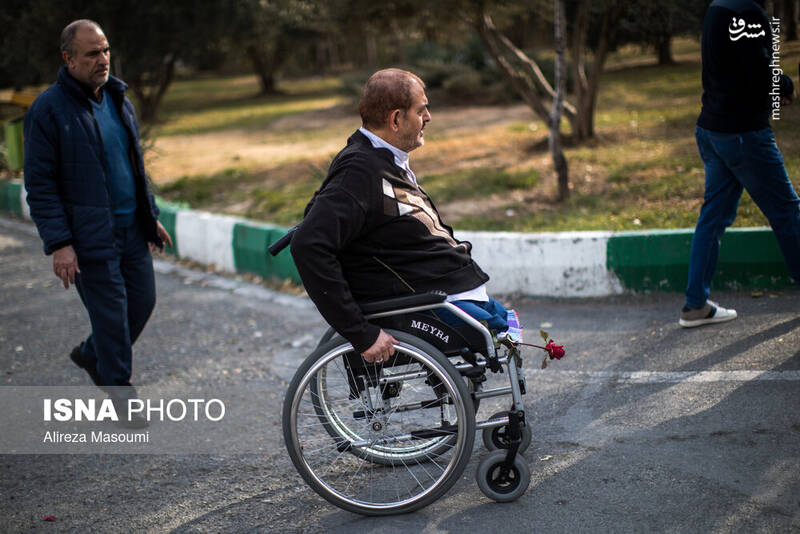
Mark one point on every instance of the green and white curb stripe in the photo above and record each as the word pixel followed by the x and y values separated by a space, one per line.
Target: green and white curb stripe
pixel 658 260
pixel 569 264
pixel 595 264
pixel 12 199
pixel 206 238
pixel 231 244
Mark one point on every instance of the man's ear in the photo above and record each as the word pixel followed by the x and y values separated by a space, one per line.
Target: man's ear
pixel 394 120
pixel 65 56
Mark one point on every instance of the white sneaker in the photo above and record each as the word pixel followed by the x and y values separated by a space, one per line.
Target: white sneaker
pixel 710 313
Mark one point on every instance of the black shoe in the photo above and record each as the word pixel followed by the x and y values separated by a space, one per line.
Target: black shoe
pixel 134 420
pixel 77 358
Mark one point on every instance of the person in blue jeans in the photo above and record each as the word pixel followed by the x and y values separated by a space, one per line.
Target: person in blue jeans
pixel 738 147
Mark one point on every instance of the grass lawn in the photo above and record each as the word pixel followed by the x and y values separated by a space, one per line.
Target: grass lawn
pixel 222 148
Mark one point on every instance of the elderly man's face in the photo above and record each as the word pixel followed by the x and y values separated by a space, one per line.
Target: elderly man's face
pixel 92 56
pixel 413 120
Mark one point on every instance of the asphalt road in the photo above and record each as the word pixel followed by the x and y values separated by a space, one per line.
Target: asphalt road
pixel 643 427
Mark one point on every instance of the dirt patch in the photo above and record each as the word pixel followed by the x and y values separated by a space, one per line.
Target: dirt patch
pixel 210 153
pixel 456 138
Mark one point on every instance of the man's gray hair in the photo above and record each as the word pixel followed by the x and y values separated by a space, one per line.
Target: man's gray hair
pixel 68 33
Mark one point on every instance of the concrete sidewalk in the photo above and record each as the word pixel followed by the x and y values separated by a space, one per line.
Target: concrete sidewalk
pixel 569 264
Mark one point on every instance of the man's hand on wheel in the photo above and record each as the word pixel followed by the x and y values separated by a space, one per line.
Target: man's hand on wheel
pixel 381 350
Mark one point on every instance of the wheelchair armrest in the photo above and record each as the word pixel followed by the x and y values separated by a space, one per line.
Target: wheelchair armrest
pixel 399 303
pixel 283 242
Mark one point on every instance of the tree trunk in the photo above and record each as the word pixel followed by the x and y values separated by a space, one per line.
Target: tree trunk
pixel 790 20
pixel 664 49
pixel 528 81
pixel 371 48
pixel 580 130
pixel 264 69
pixel 589 85
pixel 554 138
pixel 336 60
pixel 151 92
pixel 398 40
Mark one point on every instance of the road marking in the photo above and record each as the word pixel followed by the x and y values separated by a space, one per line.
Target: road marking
pixel 672 377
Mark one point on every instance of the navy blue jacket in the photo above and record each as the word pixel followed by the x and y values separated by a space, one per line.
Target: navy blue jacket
pixel 66 175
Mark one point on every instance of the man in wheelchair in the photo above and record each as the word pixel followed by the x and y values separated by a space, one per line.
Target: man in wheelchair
pixel 371 232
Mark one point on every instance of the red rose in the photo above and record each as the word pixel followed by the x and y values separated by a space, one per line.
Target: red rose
pixel 555 351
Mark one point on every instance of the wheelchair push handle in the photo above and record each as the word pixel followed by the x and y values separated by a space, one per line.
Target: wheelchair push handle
pixel 282 243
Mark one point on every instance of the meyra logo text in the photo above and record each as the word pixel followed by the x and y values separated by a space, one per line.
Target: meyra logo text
pixel 425 327
pixel 174 409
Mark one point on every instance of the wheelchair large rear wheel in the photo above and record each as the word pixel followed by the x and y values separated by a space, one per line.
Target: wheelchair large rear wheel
pixel 412 413
pixel 337 418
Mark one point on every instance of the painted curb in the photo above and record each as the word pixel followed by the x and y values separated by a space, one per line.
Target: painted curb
pixel 250 242
pixel 569 264
pixel 206 238
pixel 658 260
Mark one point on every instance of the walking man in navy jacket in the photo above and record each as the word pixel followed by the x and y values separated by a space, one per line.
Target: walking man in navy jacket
pixel 90 200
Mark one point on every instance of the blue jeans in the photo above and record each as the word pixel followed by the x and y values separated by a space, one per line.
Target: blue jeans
pixel 492 313
pixel 749 160
pixel 119 295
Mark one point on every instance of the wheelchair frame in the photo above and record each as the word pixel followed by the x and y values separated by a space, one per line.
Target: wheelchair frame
pixel 340 413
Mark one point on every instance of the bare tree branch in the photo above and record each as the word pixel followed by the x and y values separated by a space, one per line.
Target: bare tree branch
pixel 529 81
pixel 554 138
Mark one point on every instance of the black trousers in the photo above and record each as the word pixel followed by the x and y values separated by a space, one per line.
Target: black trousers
pixel 119 295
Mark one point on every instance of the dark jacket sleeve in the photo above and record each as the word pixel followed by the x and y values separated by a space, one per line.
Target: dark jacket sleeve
pixel 42 180
pixel 335 218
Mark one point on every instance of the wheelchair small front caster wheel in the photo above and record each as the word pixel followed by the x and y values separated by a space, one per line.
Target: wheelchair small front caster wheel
pixel 497 438
pixel 500 483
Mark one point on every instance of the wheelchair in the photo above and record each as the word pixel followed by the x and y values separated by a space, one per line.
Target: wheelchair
pixel 393 437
